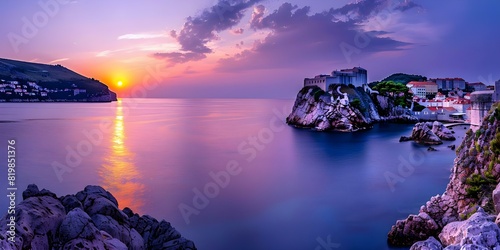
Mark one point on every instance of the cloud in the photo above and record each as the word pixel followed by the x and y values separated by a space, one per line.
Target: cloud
pixel 240 45
pixel 104 53
pixel 297 37
pixel 58 60
pixel 173 34
pixel 180 57
pixel 257 16
pixel 198 31
pixel 142 36
pixel 238 31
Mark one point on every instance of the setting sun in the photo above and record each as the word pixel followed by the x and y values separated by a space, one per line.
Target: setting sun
pixel 119 83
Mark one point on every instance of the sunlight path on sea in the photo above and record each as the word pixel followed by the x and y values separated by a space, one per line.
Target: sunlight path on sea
pixel 119 173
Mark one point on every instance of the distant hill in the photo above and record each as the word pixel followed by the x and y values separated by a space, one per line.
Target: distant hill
pixel 59 83
pixel 401 78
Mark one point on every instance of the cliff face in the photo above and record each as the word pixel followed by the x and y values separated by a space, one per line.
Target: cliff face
pixel 348 109
pixel 314 109
pixel 474 177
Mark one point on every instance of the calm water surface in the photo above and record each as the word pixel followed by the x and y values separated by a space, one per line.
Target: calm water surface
pixel 291 188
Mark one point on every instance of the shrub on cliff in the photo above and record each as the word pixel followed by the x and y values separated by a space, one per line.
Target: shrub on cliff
pixel 398 91
pixel 356 103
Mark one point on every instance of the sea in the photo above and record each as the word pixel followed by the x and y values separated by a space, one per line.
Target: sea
pixel 227 173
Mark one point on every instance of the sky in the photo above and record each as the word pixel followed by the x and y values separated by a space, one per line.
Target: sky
pixel 251 48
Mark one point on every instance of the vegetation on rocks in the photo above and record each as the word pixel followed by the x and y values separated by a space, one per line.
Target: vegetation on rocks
pixel 398 91
pixel 472 197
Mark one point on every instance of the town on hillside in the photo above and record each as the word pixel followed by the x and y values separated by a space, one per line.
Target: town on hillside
pixel 30 91
pixel 36 82
pixel 441 99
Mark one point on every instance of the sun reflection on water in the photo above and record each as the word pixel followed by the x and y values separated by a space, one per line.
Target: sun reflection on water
pixel 119 174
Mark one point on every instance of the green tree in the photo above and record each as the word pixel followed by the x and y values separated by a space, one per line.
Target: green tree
pixel 396 90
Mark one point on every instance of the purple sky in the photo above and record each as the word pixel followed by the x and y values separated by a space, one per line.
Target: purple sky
pixel 252 48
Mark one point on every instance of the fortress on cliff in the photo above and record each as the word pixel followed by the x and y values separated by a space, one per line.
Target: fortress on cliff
pixel 356 76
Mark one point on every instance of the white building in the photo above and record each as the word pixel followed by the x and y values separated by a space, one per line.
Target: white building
pixel 79 91
pixel 356 76
pixel 322 81
pixel 422 89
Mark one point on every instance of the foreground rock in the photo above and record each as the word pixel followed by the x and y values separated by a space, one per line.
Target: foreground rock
pixel 477 232
pixel 429 133
pixel 429 244
pixel 475 175
pixel 88 220
pixel 355 111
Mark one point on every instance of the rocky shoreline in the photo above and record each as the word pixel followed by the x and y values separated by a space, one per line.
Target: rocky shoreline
pixel 467 214
pixel 89 219
pixel 429 133
pixel 322 111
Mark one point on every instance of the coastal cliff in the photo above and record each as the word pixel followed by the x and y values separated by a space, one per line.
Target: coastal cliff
pixel 464 214
pixel 90 219
pixel 346 109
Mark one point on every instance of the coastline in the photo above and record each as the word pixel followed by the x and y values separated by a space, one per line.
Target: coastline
pixel 89 219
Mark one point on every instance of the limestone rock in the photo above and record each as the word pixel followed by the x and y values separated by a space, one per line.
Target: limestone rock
pixel 95 191
pixel 88 220
pixel 422 133
pixel 404 138
pixel 322 111
pixel 475 158
pixel 129 236
pixel 32 191
pixel 159 235
pixel 429 133
pixel 70 202
pixel 477 231
pixel 415 228
pixel 429 244
pixel 37 219
pixel 78 227
pixel 496 198
pixel 442 131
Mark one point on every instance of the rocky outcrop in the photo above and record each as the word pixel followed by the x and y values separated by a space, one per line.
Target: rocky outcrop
pixel 348 111
pixel 429 133
pixel 429 244
pixel 477 232
pixel 90 219
pixel 314 109
pixel 475 176
pixel 442 131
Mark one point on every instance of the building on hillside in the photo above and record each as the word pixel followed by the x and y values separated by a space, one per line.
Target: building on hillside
pixel 356 76
pixel 440 97
pixel 461 105
pixel 481 102
pixel 497 91
pixel 449 83
pixel 79 91
pixel 475 86
pixel 437 114
pixel 322 81
pixel 422 89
